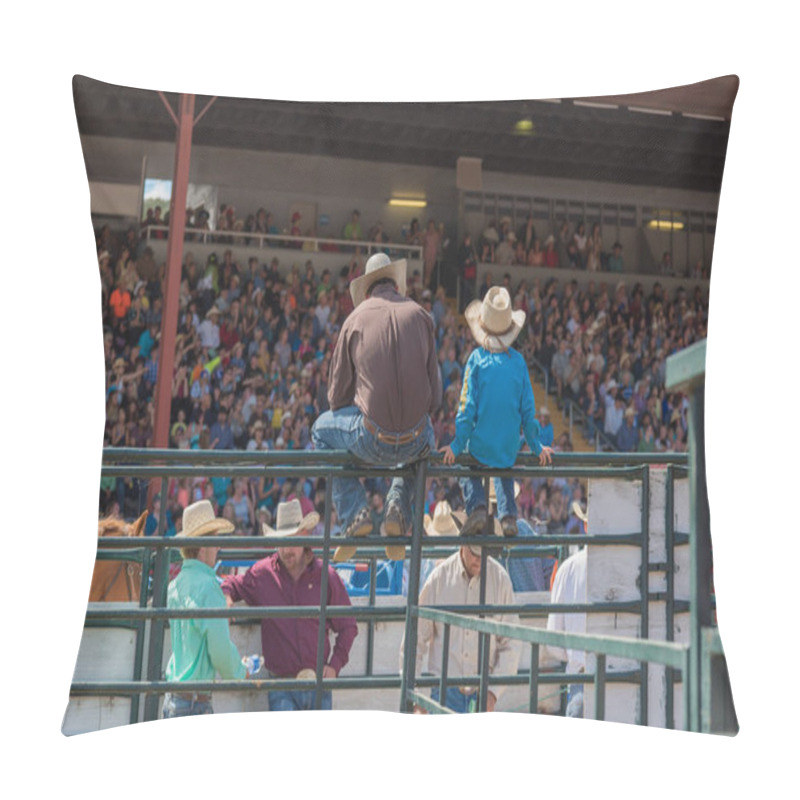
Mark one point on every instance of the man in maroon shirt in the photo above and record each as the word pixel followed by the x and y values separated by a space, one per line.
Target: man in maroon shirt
pixel 385 381
pixel 293 577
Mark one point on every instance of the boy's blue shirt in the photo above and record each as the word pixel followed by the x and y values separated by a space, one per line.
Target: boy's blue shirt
pixel 496 401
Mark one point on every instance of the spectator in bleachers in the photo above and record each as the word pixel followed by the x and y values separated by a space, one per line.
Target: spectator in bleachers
pixel 504 254
pixel 489 241
pixel 527 235
pixel 431 241
pixel 414 235
pixel 546 435
pixel 628 434
pixel 352 230
pixel 615 261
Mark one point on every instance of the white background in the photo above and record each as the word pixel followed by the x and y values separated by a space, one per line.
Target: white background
pixel 53 385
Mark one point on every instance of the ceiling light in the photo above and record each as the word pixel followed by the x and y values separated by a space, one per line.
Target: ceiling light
pixel 407 202
pixel 524 127
pixel 709 117
pixel 588 104
pixel 660 111
pixel 665 225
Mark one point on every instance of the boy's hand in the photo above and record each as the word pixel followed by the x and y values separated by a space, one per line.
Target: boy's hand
pixel 545 455
pixel 449 458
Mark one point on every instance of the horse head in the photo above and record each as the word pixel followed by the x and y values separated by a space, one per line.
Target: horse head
pixel 117 580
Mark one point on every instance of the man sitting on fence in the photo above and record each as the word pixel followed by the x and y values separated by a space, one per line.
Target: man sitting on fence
pixel 293 577
pixel 457 581
pixel 384 383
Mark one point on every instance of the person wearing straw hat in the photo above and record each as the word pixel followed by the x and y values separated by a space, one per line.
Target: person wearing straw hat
pixel 292 576
pixel 496 401
pixel 456 581
pixel 384 383
pixel 201 647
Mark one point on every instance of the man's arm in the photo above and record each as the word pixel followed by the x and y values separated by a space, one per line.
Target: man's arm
pixel 467 408
pixel 345 628
pixel 243 587
pixel 222 651
pixel 434 371
pixel 530 425
pixel 342 376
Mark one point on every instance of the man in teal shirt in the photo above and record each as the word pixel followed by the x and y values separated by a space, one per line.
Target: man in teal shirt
pixel 201 647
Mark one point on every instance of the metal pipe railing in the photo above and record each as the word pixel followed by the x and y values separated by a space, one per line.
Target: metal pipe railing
pixel 280 241
pixel 175 463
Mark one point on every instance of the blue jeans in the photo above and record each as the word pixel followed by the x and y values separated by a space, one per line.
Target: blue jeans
pixel 181 707
pixel 344 429
pixel 456 700
pixel 474 495
pixel 281 700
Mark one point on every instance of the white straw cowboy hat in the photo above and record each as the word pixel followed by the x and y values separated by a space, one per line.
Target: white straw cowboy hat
pixel 493 322
pixel 289 520
pixel 379 266
pixel 441 524
pixel 199 520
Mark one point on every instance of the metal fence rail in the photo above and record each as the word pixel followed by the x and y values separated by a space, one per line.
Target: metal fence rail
pixel 672 655
pixel 155 551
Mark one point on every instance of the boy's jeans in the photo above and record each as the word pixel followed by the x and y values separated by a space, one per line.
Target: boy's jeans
pixel 474 495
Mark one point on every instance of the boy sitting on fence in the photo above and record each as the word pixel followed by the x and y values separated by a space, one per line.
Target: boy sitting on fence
pixel 496 401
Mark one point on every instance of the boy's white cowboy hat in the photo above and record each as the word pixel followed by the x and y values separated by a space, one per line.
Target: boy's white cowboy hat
pixel 289 520
pixel 199 520
pixel 493 322
pixel 379 266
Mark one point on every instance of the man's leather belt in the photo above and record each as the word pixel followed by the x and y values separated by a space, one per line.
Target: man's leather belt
pixel 193 697
pixel 394 438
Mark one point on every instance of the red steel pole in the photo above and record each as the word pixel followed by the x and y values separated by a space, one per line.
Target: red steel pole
pixel 169 317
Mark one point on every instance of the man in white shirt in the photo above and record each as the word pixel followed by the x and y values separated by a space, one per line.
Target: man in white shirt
pixel 569 586
pixel 456 581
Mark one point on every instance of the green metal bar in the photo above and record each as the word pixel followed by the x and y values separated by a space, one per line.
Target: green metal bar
pixel 125 688
pixel 645 590
pixel 483 638
pixel 378 613
pixel 534 679
pixel 669 653
pixel 417 534
pixel 600 687
pixel 442 542
pixel 322 631
pixel 686 674
pixel 373 581
pixel 445 660
pixel 334 457
pixel 670 601
pixel 156 647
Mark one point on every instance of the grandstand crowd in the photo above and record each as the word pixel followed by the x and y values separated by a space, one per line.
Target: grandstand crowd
pixel 255 340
